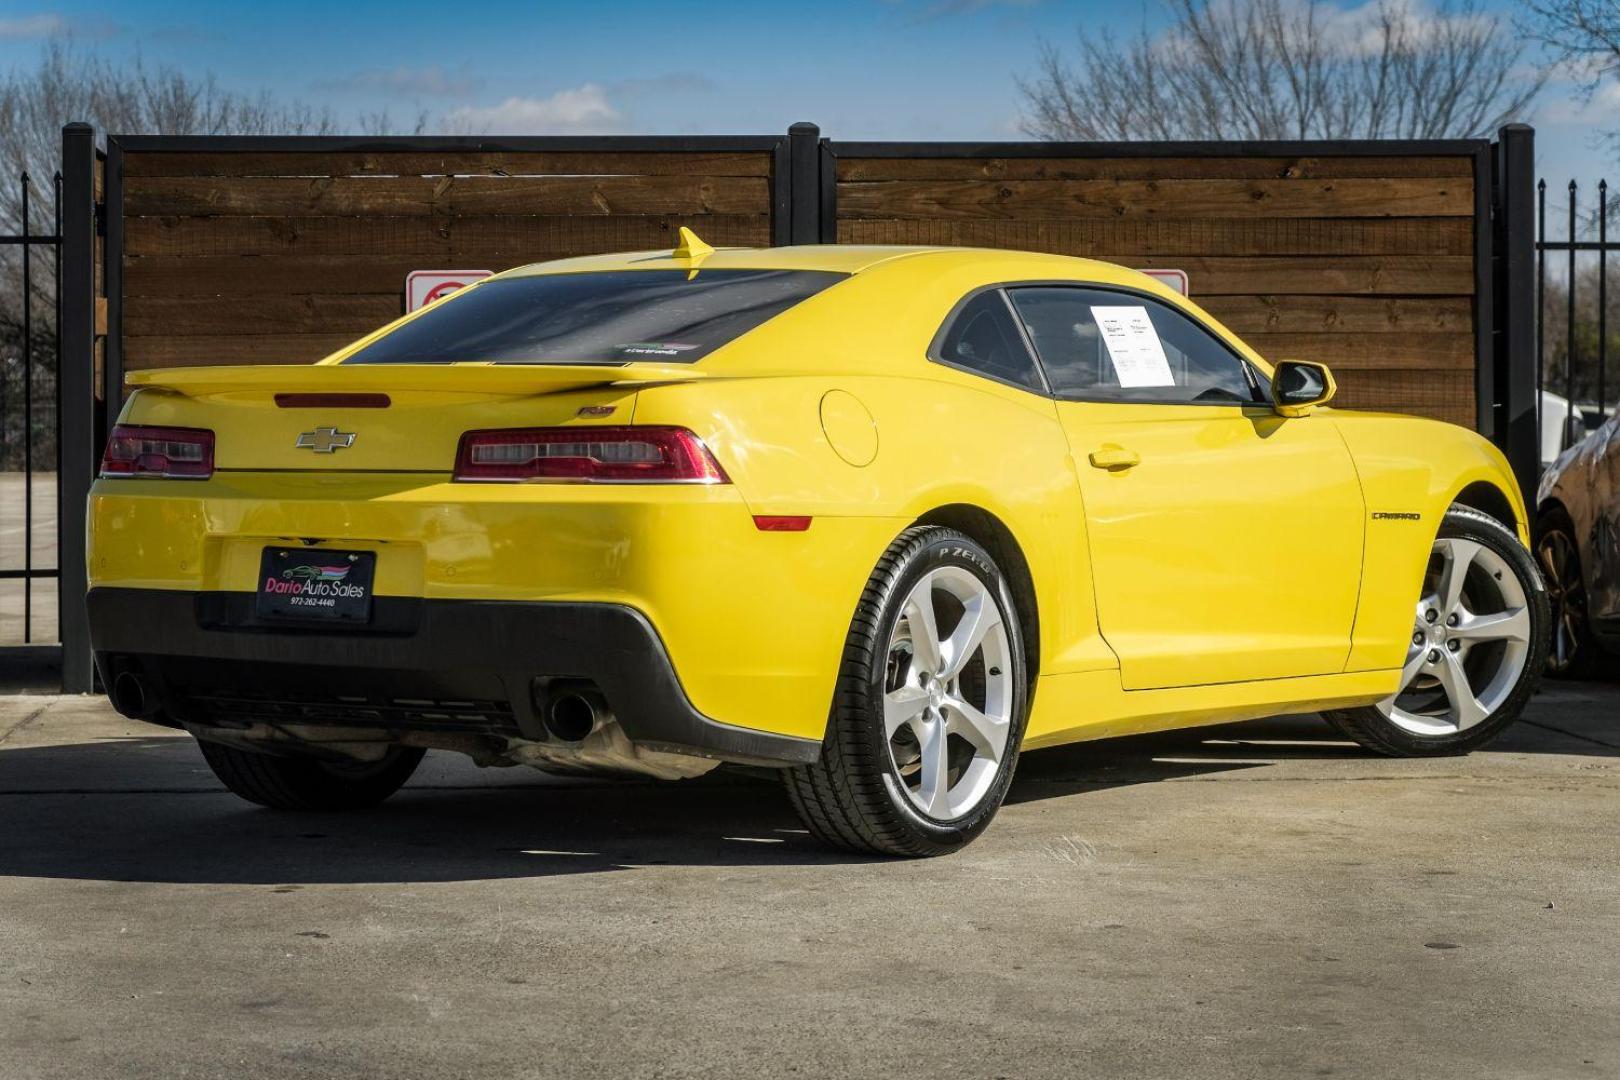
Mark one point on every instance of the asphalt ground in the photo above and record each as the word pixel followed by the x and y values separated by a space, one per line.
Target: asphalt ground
pixel 1250 901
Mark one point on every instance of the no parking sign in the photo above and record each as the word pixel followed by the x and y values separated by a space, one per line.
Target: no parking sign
pixel 422 287
pixel 1175 279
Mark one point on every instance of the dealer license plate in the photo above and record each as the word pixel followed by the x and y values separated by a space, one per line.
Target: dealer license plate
pixel 315 583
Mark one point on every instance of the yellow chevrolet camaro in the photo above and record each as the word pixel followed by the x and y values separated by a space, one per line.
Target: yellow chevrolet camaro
pixel 877 517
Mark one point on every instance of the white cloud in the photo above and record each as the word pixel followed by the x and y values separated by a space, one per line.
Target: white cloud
pixel 1575 108
pixel 581 109
pixel 31 26
pixel 1357 26
pixel 1424 26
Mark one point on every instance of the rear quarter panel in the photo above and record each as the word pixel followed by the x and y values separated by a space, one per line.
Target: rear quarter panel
pixel 939 442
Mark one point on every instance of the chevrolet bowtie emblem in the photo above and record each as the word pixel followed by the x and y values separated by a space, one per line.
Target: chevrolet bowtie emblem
pixel 325 440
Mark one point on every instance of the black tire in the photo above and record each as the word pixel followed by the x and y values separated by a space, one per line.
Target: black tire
pixel 852 798
pixel 1573 651
pixel 287 782
pixel 1369 726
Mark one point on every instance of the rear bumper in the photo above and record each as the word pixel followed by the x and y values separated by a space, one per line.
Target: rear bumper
pixel 448 663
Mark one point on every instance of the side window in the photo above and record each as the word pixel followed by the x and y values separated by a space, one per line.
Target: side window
pixel 1122 347
pixel 983 337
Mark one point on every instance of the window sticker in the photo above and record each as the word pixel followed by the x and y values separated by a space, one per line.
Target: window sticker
pixel 1133 346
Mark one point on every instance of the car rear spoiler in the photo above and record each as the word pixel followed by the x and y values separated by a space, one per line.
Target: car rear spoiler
pixel 514 379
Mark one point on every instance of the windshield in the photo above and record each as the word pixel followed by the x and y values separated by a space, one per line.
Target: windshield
pixel 613 317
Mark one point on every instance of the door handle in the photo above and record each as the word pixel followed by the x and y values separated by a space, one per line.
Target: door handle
pixel 1115 457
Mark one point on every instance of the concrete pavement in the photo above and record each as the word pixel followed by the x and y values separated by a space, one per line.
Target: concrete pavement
pixel 1251 901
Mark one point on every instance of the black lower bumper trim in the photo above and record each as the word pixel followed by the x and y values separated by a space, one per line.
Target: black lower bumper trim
pixel 193 645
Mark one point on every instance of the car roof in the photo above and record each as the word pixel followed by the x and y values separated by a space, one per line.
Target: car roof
pixel 839 258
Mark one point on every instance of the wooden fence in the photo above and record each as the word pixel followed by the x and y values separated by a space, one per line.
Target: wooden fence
pixel 250 256
pixel 1372 257
pixel 1366 263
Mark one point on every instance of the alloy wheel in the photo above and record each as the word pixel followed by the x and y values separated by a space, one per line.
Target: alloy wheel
pixel 1470 641
pixel 947 694
pixel 1560 569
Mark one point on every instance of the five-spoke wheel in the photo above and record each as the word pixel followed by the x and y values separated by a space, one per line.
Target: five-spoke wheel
pixel 1470 639
pixel 947 701
pixel 1479 637
pixel 929 710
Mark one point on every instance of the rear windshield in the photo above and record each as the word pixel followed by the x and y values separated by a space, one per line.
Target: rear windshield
pixel 613 317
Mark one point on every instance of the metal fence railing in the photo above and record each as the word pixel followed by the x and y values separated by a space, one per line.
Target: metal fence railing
pixel 1573 329
pixel 31 263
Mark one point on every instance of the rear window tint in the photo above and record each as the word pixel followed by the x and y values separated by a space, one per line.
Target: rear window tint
pixel 612 317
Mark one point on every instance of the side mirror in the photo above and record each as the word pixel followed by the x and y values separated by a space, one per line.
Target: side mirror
pixel 1298 386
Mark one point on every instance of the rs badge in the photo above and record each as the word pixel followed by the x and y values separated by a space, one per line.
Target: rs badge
pixel 325 440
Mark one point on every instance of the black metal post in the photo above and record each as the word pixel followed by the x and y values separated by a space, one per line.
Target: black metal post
pixel 829 194
pixel 76 397
pixel 112 253
pixel 1541 304
pixel 28 419
pixel 804 156
pixel 1603 298
pixel 1516 371
pixel 1569 332
pixel 56 352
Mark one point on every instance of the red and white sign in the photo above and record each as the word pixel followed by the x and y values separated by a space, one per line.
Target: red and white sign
pixel 1175 279
pixel 422 287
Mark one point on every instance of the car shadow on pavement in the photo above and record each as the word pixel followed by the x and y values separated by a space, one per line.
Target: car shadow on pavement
pixel 146 809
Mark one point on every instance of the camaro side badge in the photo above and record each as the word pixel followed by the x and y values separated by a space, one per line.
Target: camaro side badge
pixel 1391 515
pixel 325 440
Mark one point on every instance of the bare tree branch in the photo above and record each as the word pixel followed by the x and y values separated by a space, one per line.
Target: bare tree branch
pixel 1583 38
pixel 1288 69
pixel 136 98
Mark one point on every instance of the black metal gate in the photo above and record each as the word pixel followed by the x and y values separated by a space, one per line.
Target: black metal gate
pixel 1572 344
pixel 29 363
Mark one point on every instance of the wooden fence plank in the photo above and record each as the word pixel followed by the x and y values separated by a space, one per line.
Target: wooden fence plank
pixel 322 196
pixel 426 237
pixel 312 313
pixel 1100 237
pixel 226 275
pixel 1151 168
pixel 1347 352
pixel 1342 314
pixel 1407 197
pixel 164 351
pixel 1445 395
pixel 428 163
pixel 1321 275
pixel 229 275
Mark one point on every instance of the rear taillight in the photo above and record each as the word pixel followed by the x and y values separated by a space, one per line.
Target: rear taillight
pixel 589 454
pixel 176 453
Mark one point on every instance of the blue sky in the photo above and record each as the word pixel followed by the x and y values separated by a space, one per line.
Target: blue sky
pixel 874 69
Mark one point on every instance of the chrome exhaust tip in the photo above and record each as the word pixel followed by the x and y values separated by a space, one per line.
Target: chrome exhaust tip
pixel 132 697
pixel 572 716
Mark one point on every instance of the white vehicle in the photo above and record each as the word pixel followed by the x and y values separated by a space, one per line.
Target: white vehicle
pixel 1562 426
